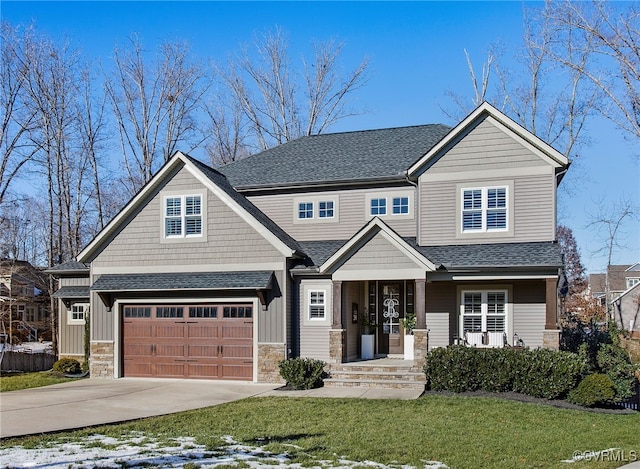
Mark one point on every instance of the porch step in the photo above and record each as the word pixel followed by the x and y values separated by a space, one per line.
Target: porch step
pixel 392 374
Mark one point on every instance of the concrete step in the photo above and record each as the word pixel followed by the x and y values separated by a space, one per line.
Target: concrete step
pixel 374 383
pixel 390 374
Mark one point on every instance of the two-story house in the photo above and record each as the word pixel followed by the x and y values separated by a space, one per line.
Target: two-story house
pixel 223 273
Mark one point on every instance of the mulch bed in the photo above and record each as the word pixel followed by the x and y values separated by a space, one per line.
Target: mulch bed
pixel 514 396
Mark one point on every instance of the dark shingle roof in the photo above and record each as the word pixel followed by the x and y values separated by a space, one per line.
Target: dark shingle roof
pixel 183 281
pixel 72 292
pixel 68 267
pixel 222 182
pixel 474 256
pixel 347 156
pixel 497 255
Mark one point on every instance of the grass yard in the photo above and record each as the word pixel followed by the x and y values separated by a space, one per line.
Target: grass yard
pixel 15 382
pixel 461 432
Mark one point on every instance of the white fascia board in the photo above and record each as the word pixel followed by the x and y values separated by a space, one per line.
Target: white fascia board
pixel 502 277
pixel 240 211
pixel 543 148
pixel 115 222
pixel 390 235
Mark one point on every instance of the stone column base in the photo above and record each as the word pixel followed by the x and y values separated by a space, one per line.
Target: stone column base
pixel 101 359
pixel 420 347
pixel 336 346
pixel 269 358
pixel 551 339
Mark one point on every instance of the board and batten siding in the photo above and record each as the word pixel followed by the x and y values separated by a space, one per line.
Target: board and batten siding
pixel 314 334
pixel 529 312
pixel 102 326
pixel 229 238
pixel 351 213
pixel 271 326
pixel 71 335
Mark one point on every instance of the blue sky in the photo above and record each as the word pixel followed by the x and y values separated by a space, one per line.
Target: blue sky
pixel 416 52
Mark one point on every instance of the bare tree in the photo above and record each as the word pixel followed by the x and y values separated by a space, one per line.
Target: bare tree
pixel 609 223
pixel 610 32
pixel 16 120
pixel 279 104
pixel 228 135
pixel 154 106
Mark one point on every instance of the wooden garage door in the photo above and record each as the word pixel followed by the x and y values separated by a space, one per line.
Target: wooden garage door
pixel 213 341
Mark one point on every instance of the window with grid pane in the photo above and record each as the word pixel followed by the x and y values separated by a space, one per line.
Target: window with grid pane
pixel 484 311
pixel 400 205
pixel 484 209
pixel 378 206
pixel 183 216
pixel 325 209
pixel 317 304
pixel 305 210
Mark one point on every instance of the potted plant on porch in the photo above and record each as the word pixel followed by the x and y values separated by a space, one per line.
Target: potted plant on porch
pixel 367 342
pixel 408 323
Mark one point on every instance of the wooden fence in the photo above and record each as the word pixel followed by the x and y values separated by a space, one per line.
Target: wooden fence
pixel 21 361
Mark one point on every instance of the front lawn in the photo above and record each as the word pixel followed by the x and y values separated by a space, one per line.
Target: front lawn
pixel 17 381
pixel 460 432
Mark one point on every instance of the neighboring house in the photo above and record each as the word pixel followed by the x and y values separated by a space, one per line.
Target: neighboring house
pixel 621 278
pixel 224 273
pixel 24 302
pixel 626 310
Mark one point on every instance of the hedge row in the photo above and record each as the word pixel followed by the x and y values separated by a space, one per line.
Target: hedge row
pixel 540 373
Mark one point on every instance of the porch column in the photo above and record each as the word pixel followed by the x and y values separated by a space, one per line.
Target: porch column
pixel 421 303
pixel 420 333
pixel 337 333
pixel 551 335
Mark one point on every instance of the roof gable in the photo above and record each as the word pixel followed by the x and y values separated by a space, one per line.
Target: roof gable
pixel 485 111
pixel 213 181
pixel 375 227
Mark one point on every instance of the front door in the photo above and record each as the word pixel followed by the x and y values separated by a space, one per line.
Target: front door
pixel 391 310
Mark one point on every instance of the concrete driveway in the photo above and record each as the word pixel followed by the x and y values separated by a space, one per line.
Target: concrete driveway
pixel 88 402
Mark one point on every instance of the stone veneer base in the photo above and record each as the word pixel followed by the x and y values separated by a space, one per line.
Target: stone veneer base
pixel 101 360
pixel 269 358
pixel 551 339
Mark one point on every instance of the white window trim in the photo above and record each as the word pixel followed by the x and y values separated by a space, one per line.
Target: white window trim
pixel 408 205
pixel 484 291
pixel 484 209
pixel 323 304
pixel 202 236
pixel 389 195
pixel 315 201
pixel 313 211
pixel 632 281
pixel 386 207
pixel 507 232
pixel 333 209
pixel 71 320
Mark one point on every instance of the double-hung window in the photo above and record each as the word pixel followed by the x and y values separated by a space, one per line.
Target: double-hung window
pixel 183 216
pixel 484 209
pixel 378 206
pixel 484 317
pixel 317 305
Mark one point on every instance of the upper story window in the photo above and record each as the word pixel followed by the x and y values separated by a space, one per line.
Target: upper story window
pixel 183 216
pixel 305 210
pixel 378 206
pixel 325 209
pixel 484 209
pixel 317 304
pixel 400 205
pixel 632 282
pixel 78 312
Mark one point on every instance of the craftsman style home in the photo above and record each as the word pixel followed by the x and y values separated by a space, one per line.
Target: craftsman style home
pixel 301 249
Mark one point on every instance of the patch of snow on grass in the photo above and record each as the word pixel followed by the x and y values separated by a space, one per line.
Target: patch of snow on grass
pixel 139 451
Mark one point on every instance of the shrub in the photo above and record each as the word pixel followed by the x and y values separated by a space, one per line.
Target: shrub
pixel 67 366
pixel 615 362
pixel 540 373
pixel 595 389
pixel 303 373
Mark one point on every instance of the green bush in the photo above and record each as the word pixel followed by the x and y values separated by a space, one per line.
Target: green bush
pixel 303 373
pixel 596 389
pixel 540 373
pixel 615 362
pixel 67 366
